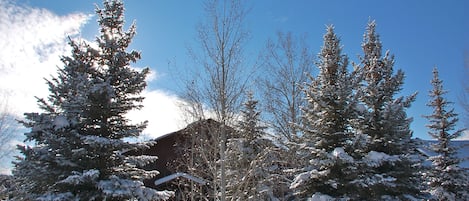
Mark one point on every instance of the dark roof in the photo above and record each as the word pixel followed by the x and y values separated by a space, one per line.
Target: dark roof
pixel 461 145
pixel 168 145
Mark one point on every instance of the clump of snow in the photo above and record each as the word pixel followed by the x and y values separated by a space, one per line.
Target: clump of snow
pixel 60 122
pixel 360 107
pixel 340 153
pixel 378 179
pixel 58 197
pixel 374 158
pixel 300 179
pixel 303 178
pixel 80 178
pixel 122 188
pixel 116 187
pixel 100 141
pixel 141 161
pixel 321 197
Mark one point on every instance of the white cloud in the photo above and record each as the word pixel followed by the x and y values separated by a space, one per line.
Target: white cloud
pixel 32 42
pixel 162 110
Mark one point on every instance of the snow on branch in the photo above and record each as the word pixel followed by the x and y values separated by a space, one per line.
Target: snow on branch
pixel 125 188
pixel 340 153
pixel 141 161
pixel 80 178
pixel 101 141
pixel 305 177
pixel 375 159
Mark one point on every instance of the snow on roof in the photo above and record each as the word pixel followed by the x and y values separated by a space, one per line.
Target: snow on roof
pixel 462 145
pixel 180 174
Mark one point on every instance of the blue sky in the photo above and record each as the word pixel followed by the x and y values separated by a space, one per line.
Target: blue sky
pixel 421 35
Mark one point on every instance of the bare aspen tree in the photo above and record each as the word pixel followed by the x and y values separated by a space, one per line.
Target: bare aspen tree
pixel 216 89
pixel 9 129
pixel 288 61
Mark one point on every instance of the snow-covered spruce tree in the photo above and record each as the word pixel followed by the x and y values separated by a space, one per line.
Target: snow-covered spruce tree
pixel 78 151
pixel 325 126
pixel 253 170
pixel 390 168
pixel 446 180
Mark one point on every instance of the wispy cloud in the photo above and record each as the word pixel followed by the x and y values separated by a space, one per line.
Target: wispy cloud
pixel 32 42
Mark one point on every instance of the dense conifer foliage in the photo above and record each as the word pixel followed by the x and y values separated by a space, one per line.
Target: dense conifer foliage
pixel 78 147
pixel 390 164
pixel 326 122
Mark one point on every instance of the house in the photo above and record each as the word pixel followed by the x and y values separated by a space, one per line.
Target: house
pixel 461 145
pixel 173 148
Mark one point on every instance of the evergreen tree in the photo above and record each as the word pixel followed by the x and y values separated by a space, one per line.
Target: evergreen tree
pixel 446 180
pixel 79 147
pixel 390 169
pixel 326 123
pixel 252 160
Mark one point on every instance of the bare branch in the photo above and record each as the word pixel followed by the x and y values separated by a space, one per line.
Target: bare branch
pixel 286 63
